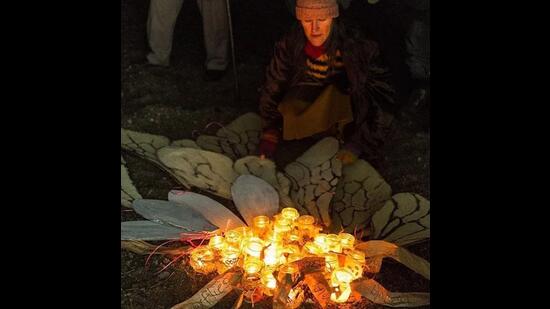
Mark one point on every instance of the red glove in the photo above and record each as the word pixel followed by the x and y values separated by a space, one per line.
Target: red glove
pixel 347 157
pixel 348 154
pixel 268 143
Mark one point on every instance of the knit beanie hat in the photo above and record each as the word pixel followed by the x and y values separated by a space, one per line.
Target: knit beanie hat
pixel 316 9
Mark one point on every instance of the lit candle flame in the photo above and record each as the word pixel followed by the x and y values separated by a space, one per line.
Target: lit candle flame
pixel 272 245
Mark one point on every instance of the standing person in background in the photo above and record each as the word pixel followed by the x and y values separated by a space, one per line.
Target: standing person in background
pixel 160 29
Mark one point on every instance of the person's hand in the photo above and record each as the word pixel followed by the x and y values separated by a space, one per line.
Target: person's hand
pixel 268 143
pixel 267 149
pixel 346 156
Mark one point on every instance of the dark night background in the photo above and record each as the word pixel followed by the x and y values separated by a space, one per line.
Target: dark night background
pixel 176 102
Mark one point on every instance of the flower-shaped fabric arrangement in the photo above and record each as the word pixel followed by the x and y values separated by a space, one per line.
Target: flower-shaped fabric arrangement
pixel 333 201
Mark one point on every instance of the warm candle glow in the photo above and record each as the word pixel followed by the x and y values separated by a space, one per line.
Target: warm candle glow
pixel 340 280
pixel 254 247
pixel 331 262
pixel 355 268
pixel 290 213
pixel 333 243
pixel 202 254
pixel 261 222
pixel 245 231
pixel 269 280
pixel 202 260
pixel 344 291
pixel 354 262
pixel 342 275
pixel 313 248
pixel 252 265
pixel 294 236
pixel 217 242
pixel 233 236
pixel 271 256
pixel 292 294
pixel 294 257
pixel 291 249
pixel 306 226
pixel 305 221
pixel 270 247
pixel 282 225
pixel 288 269
pixel 357 256
pixel 321 241
pixel 346 240
pixel 229 258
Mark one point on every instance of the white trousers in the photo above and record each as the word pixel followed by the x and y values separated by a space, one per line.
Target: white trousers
pixel 160 29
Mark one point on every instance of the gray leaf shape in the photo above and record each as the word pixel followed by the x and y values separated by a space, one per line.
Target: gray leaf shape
pixel 143 144
pixel 174 214
pixel 253 197
pixel 200 168
pixel 266 170
pixel 146 146
pixel 313 177
pixel 185 143
pixel 147 230
pixel 209 208
pixel 238 139
pixel 128 192
pixel 404 219
pixel 359 194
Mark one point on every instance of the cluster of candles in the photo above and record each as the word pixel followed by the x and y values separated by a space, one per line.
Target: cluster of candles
pixel 270 246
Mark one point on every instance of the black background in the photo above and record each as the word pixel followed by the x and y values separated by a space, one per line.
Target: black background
pixel 61 115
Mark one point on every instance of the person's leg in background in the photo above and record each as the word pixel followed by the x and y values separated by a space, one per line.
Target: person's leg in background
pixel 216 36
pixel 160 29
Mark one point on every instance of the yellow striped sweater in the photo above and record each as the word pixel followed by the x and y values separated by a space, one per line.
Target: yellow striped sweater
pixel 318 69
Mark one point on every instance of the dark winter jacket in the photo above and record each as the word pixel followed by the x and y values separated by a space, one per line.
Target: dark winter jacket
pixel 371 95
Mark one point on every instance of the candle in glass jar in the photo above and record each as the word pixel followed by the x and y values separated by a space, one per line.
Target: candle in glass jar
pixel 245 231
pixel 268 280
pixel 252 265
pixel 290 270
pixel 333 243
pixel 261 226
pixel 340 281
pixel 321 241
pixel 331 262
pixel 357 256
pixel 217 242
pixel 305 221
pixel 229 258
pixel 306 225
pixel 282 225
pixel 344 292
pixel 294 257
pixel 290 213
pixel 254 247
pixel 233 237
pixel 202 254
pixel 294 236
pixel 341 275
pixel 261 222
pixel 355 268
pixel 202 259
pixel 313 248
pixel 291 249
pixel 271 255
pixel 346 240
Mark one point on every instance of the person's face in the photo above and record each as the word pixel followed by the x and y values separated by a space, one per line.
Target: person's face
pixel 317 30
